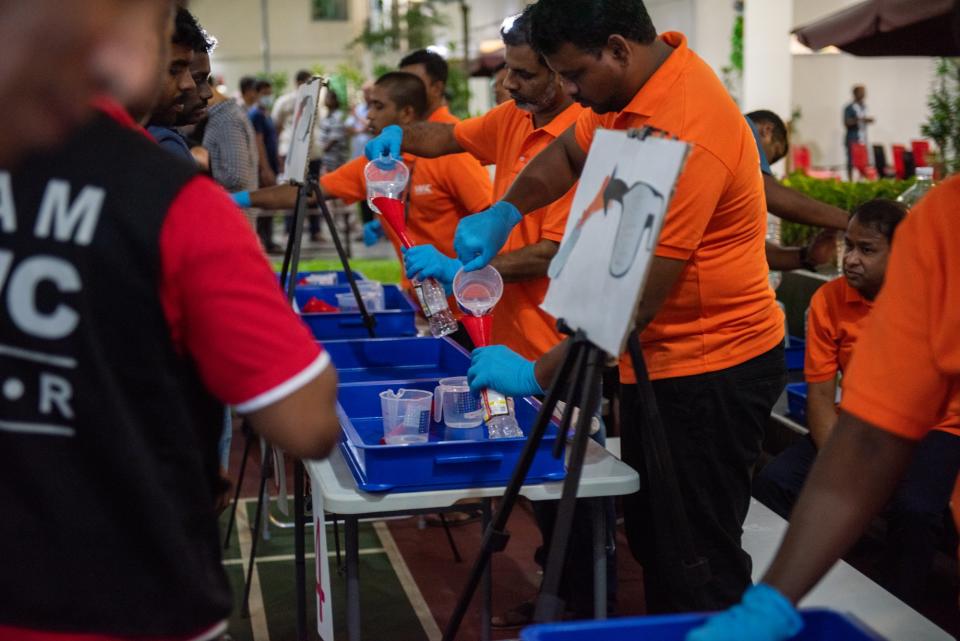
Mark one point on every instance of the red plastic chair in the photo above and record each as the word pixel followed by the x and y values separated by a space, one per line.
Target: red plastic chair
pixel 921 148
pixel 899 167
pixel 861 162
pixel 801 158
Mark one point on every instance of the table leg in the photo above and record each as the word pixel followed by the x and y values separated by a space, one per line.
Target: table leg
pixel 352 545
pixel 487 599
pixel 599 559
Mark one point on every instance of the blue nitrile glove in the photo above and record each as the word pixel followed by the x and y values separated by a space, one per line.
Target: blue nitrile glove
pixel 386 144
pixel 372 232
pixel 762 615
pixel 502 369
pixel 241 199
pixel 479 237
pixel 426 261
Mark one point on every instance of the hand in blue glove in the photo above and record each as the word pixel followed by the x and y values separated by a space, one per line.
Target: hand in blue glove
pixel 763 615
pixel 386 144
pixel 426 261
pixel 372 232
pixel 480 237
pixel 500 368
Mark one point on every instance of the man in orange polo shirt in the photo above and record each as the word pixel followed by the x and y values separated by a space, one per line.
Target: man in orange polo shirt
pixel 441 190
pixel 711 330
pixel 838 313
pixel 433 70
pixel 902 378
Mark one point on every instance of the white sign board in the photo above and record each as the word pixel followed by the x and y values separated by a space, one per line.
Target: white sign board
pixel 599 272
pixel 304 116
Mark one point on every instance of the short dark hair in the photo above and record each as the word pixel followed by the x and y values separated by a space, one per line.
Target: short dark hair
pixel 262 84
pixel 432 61
pixel 882 215
pixel 187 32
pixel 247 83
pixel 588 24
pixel 405 90
pixel 303 76
pixel 767 117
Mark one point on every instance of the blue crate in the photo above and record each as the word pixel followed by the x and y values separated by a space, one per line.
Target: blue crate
pixel 795 354
pixel 391 359
pixel 339 277
pixel 819 625
pixel 398 319
pixel 797 402
pixel 447 460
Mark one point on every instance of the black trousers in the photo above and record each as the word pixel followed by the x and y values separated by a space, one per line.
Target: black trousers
pixel 714 425
pixel 914 514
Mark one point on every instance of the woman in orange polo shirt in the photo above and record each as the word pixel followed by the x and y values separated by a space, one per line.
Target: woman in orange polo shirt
pixel 838 313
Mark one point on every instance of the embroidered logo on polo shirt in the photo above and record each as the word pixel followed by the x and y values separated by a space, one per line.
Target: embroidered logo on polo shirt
pixel 423 189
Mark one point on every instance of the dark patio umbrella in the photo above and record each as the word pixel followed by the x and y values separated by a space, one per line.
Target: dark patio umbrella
pixel 889 28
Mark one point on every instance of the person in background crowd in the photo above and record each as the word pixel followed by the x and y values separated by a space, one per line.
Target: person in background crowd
pixel 141 344
pixel 500 95
pixel 359 137
pixel 193 121
pixel 509 136
pixel 772 144
pixel 838 312
pixel 39 110
pixel 282 114
pixel 188 37
pixel 855 121
pixel 432 69
pixel 709 326
pixel 255 96
pixel 333 139
pixel 231 143
pixel 904 374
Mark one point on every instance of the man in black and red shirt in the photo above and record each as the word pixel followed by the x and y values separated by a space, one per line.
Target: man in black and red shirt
pixel 128 320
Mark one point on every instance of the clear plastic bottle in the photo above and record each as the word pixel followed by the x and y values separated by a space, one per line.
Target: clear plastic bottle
pixel 499 415
pixel 433 302
pixel 919 189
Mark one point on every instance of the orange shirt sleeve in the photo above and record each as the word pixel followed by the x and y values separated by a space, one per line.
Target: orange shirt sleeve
pixel 821 361
pixel 347 183
pixel 695 199
pixel 586 125
pixel 908 358
pixel 468 182
pixel 480 135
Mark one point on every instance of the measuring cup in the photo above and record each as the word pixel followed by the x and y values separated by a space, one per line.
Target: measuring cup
pixel 406 416
pixel 386 177
pixel 455 404
pixel 478 291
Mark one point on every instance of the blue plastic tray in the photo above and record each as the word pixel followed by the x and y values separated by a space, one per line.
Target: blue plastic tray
pixel 446 460
pixel 797 402
pixel 390 359
pixel 339 277
pixel 820 625
pixel 795 353
pixel 398 319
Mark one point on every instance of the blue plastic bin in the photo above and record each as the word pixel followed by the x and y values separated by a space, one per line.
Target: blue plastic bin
pixel 447 460
pixel 797 402
pixel 390 359
pixel 398 319
pixel 819 625
pixel 339 277
pixel 795 354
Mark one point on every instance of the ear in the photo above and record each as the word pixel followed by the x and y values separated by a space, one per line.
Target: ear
pixel 619 49
pixel 406 116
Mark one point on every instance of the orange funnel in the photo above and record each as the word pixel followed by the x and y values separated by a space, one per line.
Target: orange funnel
pixel 479 328
pixel 392 211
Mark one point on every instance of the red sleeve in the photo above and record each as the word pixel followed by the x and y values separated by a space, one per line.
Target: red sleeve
pixel 224 306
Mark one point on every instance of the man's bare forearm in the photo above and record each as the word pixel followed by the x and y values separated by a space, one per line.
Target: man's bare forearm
pixel 782 259
pixel 821 410
pixel 853 477
pixel 791 205
pixel 548 176
pixel 430 139
pixel 526 263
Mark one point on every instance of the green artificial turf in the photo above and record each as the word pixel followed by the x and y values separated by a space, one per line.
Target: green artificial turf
pixel 385 270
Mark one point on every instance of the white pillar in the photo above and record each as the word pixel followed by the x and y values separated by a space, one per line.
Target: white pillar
pixel 767 61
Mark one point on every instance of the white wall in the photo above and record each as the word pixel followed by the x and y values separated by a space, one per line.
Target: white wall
pixel 296 41
pixel 767 63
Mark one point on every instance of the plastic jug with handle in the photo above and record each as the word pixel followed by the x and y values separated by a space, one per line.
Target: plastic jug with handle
pixel 406 416
pixel 455 405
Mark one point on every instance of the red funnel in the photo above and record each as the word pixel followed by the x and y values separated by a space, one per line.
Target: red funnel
pixel 392 211
pixel 479 328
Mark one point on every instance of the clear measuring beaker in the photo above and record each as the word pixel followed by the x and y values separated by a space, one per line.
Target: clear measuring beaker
pixel 478 292
pixel 386 177
pixel 406 415
pixel 455 405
